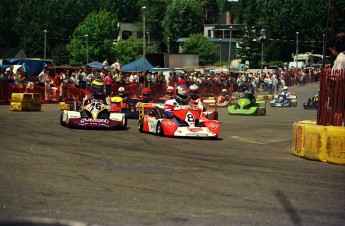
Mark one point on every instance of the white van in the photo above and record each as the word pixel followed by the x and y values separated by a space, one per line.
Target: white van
pixel 299 64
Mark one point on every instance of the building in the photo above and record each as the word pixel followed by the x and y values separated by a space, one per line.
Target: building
pixel 125 30
pixel 12 53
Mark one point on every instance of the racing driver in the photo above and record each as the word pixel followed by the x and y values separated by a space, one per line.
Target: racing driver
pixel 181 99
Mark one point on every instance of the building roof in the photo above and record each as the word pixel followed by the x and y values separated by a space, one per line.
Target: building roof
pixel 12 53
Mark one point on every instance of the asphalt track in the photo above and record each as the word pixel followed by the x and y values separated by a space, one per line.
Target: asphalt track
pixel 246 177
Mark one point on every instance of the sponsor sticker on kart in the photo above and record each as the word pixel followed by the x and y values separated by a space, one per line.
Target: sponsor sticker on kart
pixel 169 124
pixel 213 126
pixel 100 122
pixel 195 129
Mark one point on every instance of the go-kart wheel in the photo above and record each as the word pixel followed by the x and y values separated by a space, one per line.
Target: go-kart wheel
pixel 141 125
pixel 62 122
pixel 215 116
pixel 264 111
pixel 159 130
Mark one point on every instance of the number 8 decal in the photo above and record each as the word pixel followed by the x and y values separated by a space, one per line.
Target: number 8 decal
pixel 190 117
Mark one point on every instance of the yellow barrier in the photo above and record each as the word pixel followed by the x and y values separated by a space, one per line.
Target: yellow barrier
pixel 265 97
pixel 26 102
pixel 16 106
pixel 336 145
pixel 322 143
pixel 315 140
pixel 21 97
pixel 64 106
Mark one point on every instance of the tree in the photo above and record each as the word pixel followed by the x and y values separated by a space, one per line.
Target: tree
pixel 100 28
pixel 199 44
pixel 182 18
pixel 129 50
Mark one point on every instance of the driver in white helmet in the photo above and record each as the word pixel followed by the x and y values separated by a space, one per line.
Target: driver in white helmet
pixel 224 93
pixel 285 92
pixel 121 91
pixel 181 99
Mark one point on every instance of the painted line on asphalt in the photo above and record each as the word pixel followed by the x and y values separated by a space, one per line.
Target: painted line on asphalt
pixel 247 140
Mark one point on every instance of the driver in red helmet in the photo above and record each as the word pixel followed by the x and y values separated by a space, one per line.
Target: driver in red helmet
pixel 169 93
pixel 146 97
pixel 194 97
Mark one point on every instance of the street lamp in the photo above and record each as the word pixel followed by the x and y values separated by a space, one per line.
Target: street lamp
pixel 148 38
pixel 144 41
pixel 168 45
pixel 297 50
pixel 220 52
pixel 87 48
pixel 263 37
pixel 45 43
pixel 229 62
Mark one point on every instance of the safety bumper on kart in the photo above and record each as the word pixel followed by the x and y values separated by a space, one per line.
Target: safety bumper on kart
pixel 93 123
pixel 194 132
pixel 289 104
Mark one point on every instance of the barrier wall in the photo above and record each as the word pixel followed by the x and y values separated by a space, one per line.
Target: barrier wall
pixel 316 142
pixel 65 91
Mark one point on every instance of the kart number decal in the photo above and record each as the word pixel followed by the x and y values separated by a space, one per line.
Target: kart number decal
pixel 189 117
pixel 94 106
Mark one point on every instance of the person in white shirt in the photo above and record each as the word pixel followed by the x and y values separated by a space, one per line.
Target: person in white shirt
pixel 42 78
pixel 338 50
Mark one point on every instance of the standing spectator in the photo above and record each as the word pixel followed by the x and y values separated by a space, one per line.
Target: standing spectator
pixel 274 84
pixel 89 79
pixel 133 79
pixel 105 64
pixel 64 85
pixel 116 66
pixel 82 79
pixel 73 79
pixel 42 78
pixel 338 50
pixel 108 80
pixel 141 82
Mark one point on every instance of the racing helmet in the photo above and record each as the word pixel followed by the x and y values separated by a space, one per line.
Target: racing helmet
pixel 193 92
pixel 224 92
pixel 97 87
pixel 121 90
pixel 147 92
pixel 285 88
pixel 169 92
pixel 182 94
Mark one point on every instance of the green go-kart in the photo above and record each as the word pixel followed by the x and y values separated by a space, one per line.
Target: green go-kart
pixel 245 105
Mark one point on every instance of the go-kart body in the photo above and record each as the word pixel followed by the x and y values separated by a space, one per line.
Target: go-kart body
pixel 95 113
pixel 284 101
pixel 311 104
pixel 186 122
pixel 245 106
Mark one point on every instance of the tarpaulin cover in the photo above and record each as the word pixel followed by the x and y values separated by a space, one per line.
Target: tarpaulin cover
pixel 95 64
pixel 137 65
pixel 31 67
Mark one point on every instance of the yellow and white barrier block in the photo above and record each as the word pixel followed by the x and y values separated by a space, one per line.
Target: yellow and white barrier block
pixel 316 142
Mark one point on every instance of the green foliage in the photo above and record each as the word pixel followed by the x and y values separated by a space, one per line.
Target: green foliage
pixel 129 50
pixel 199 44
pixel 24 21
pixel 182 18
pixel 100 30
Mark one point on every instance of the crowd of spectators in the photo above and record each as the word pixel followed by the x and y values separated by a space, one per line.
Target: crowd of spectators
pixel 268 81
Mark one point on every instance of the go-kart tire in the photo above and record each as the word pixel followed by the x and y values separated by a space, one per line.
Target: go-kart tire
pixel 62 122
pixel 159 130
pixel 216 116
pixel 141 125
pixel 264 112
